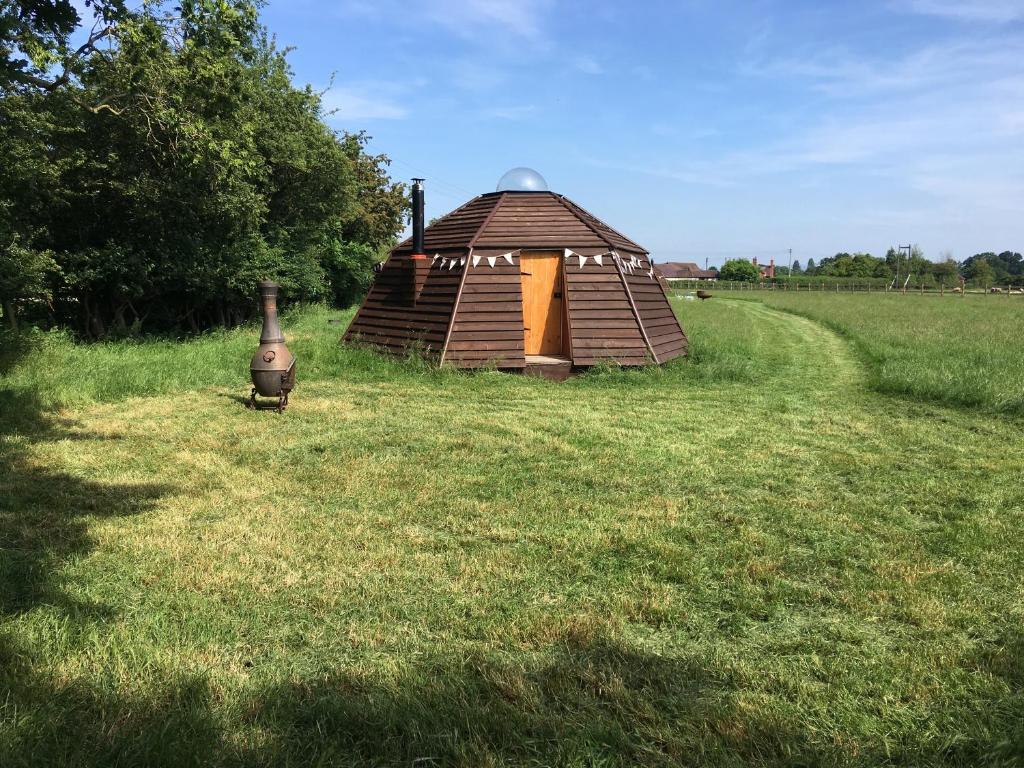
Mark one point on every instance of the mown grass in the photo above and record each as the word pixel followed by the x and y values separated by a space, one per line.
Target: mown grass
pixel 963 351
pixel 747 558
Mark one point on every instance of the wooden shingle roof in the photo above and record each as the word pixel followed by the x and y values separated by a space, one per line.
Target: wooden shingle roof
pixel 522 220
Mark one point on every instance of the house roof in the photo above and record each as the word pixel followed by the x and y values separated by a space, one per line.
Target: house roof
pixel 522 220
pixel 684 271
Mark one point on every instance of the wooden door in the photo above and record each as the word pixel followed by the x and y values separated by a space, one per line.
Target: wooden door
pixel 541 274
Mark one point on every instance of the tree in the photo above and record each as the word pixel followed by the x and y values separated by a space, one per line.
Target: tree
pixel 796 267
pixel 1013 261
pixel 28 182
pixel 739 270
pixel 979 271
pixel 945 271
pixel 206 171
pixel 844 265
pixel 34 41
pixel 811 268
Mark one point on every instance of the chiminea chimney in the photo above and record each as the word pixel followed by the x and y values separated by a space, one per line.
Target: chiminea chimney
pixel 417 263
pixel 417 216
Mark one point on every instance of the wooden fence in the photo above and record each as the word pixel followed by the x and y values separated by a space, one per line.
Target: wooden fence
pixel 839 285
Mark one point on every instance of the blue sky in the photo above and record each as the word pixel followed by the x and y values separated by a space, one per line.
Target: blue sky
pixel 700 129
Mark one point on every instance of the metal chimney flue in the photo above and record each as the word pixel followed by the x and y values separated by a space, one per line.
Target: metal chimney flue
pixel 417 216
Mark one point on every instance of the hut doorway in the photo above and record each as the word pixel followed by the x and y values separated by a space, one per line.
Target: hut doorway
pixel 543 306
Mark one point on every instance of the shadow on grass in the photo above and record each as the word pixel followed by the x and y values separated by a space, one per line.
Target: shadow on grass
pixel 44 524
pixel 13 348
pixel 586 702
pixel 599 703
pixel 44 513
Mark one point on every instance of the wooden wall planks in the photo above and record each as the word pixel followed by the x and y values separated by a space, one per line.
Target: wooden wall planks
pixel 488 325
pixel 387 320
pixel 660 323
pixel 604 328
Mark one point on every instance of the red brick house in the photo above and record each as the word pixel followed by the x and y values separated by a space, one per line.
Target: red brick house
pixel 673 270
pixel 767 272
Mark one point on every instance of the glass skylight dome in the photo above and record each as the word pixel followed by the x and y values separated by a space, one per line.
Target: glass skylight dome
pixel 522 180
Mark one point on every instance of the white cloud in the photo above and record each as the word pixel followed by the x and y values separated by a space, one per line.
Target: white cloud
pixel 361 103
pixel 998 11
pixel 588 65
pixel 510 113
pixel 471 19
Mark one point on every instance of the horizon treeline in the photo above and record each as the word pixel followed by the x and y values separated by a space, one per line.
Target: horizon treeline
pixel 155 164
pixel 982 269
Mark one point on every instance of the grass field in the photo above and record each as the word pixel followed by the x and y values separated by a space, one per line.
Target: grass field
pixel 958 350
pixel 746 558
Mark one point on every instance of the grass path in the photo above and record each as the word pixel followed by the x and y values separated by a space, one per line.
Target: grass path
pixel 826 363
pixel 964 351
pixel 742 559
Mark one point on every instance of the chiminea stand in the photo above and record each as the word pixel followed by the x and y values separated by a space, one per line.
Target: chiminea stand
pixel 287 384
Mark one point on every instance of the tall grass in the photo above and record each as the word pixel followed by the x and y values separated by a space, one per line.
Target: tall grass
pixel 725 346
pixel 965 351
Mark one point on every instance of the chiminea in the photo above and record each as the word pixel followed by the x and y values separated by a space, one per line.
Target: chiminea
pixel 272 367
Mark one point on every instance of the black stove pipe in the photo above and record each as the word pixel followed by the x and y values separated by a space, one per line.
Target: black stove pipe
pixel 417 216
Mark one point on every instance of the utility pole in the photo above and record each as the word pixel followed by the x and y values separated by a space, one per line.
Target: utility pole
pixel 790 267
pixel 901 249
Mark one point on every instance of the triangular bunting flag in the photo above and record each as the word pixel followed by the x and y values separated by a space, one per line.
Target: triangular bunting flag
pixel 476 259
pixel 650 273
pixel 507 257
pixel 462 261
pixel 491 260
pixel 568 254
pixel 599 259
pixel 451 264
pixel 437 257
pixel 583 259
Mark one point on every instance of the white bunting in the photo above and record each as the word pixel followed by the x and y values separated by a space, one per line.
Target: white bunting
pixel 462 261
pixel 583 259
pixel 568 254
pixel 650 273
pixel 451 263
pixel 599 259
pixel 507 257
pixel 491 260
pixel 476 259
pixel 437 257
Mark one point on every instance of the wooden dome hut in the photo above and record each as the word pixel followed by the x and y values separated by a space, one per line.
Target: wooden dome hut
pixel 518 278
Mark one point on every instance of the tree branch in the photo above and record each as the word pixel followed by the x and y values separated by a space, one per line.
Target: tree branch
pixel 50 86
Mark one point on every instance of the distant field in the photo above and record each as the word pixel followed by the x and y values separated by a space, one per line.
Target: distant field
pixel 966 351
pixel 745 558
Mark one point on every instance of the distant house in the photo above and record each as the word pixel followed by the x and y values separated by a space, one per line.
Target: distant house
pixel 767 272
pixel 674 270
